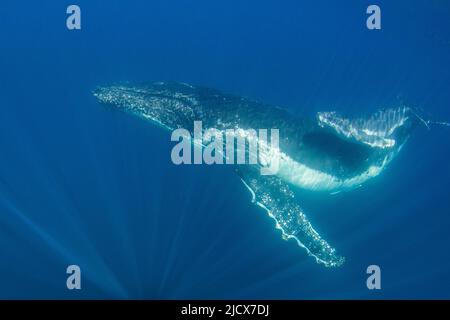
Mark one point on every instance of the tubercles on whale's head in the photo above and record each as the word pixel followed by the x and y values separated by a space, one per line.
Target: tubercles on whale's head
pixel 112 95
pixel 123 97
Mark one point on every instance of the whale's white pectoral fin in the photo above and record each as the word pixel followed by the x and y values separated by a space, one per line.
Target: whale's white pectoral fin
pixel 275 196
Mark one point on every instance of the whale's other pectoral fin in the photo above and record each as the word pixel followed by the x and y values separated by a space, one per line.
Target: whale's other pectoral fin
pixel 275 196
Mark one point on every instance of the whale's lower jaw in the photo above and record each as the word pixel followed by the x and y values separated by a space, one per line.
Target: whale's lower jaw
pixel 302 176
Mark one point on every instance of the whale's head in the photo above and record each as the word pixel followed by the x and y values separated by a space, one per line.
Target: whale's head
pixel 166 104
pixel 122 97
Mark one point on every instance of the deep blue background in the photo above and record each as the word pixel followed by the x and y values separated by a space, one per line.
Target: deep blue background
pixel 83 185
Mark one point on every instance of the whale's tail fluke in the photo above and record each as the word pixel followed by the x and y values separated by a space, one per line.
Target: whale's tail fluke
pixel 385 129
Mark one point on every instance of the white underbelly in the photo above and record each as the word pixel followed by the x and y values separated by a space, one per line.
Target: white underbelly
pixel 304 177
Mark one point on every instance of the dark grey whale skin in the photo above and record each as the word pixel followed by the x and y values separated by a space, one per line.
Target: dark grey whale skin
pixel 177 105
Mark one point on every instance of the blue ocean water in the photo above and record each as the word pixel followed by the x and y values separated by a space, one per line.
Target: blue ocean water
pixel 80 184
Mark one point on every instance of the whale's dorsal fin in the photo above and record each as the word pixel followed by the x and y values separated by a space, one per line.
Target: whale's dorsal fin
pixel 275 196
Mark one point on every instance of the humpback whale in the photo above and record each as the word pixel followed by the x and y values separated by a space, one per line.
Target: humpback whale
pixel 328 153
